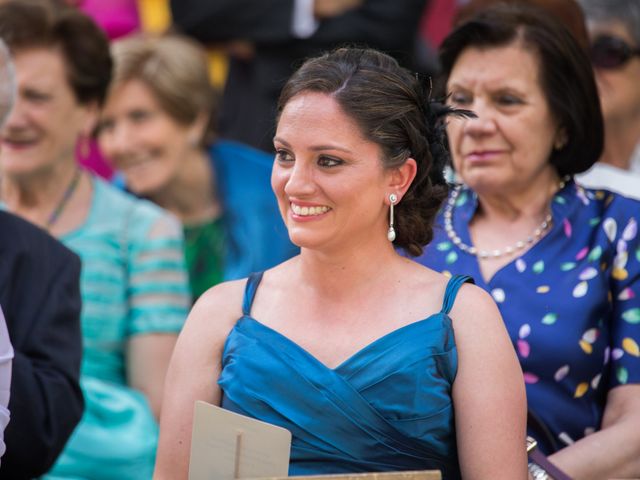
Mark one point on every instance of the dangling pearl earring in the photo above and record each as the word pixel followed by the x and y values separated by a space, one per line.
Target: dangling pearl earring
pixel 391 233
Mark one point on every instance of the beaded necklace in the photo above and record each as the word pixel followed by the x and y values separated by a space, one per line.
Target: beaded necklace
pixel 497 253
pixel 71 188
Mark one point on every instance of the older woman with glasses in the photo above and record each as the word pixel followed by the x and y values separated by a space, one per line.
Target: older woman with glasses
pixel 614 28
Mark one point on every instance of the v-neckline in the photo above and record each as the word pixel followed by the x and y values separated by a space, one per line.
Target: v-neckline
pixel 557 215
pixel 352 357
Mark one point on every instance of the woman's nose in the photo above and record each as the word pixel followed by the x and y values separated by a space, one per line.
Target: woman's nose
pixel 301 180
pixel 115 142
pixel 482 123
pixel 14 115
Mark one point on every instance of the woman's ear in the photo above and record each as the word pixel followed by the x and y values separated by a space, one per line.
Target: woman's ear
pixel 90 121
pixel 561 139
pixel 400 178
pixel 198 129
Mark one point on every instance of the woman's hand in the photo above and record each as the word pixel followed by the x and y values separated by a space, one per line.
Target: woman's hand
pixel 611 452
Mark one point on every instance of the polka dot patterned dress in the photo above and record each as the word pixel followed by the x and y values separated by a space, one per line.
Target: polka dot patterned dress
pixel 571 304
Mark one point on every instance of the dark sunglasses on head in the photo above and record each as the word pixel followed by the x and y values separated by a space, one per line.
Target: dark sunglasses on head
pixel 610 52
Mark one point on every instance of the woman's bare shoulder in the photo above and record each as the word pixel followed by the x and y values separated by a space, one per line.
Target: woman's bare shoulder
pixel 471 298
pixel 221 294
pixel 471 302
pixel 474 312
pixel 218 308
pixel 424 279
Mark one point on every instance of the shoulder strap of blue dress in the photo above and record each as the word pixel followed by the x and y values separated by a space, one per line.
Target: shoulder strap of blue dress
pixel 250 290
pixel 451 291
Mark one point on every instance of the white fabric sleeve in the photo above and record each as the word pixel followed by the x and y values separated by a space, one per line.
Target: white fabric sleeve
pixel 304 23
pixel 6 354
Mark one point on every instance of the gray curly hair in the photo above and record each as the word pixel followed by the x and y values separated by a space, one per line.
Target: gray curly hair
pixel 7 83
pixel 626 12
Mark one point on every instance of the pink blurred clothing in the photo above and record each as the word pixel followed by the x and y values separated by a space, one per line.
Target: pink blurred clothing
pixel 93 160
pixel 437 21
pixel 117 18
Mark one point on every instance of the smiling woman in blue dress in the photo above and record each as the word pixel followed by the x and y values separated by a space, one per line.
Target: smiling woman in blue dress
pixel 350 345
pixel 561 261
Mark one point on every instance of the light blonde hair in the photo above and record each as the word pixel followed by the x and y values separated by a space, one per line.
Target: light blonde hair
pixel 174 68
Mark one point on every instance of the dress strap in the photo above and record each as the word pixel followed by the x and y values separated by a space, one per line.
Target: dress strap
pixel 451 291
pixel 250 290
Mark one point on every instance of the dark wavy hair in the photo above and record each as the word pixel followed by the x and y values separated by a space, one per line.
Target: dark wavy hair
pixel 50 24
pixel 391 106
pixel 567 12
pixel 566 76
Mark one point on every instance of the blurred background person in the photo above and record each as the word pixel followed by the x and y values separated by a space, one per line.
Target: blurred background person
pixel 7 97
pixel 40 301
pixel 560 261
pixel 134 284
pixel 157 127
pixel 614 28
pixel 6 355
pixel 117 18
pixel 267 40
pixel 40 304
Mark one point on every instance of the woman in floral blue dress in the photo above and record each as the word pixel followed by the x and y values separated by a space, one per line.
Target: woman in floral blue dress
pixel 561 261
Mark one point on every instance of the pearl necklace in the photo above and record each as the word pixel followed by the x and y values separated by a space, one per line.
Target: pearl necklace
pixel 485 254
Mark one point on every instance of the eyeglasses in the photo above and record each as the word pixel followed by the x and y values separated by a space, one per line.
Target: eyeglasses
pixel 609 52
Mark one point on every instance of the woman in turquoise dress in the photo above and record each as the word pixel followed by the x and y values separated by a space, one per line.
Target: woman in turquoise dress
pixel 373 362
pixel 133 282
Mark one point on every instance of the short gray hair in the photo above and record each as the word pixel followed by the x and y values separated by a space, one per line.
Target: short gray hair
pixel 7 83
pixel 626 12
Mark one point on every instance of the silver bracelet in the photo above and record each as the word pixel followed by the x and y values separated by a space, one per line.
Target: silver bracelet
pixel 537 472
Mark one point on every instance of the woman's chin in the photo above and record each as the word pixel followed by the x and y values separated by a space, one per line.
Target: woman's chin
pixel 143 186
pixel 484 185
pixel 307 239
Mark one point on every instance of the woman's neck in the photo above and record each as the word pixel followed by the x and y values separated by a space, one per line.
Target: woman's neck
pixel 503 223
pixel 36 196
pixel 530 203
pixel 620 141
pixel 191 194
pixel 340 273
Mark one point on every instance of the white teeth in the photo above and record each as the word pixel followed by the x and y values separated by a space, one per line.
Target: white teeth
pixel 309 211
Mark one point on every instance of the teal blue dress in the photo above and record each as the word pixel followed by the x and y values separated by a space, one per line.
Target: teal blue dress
pixel 386 408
